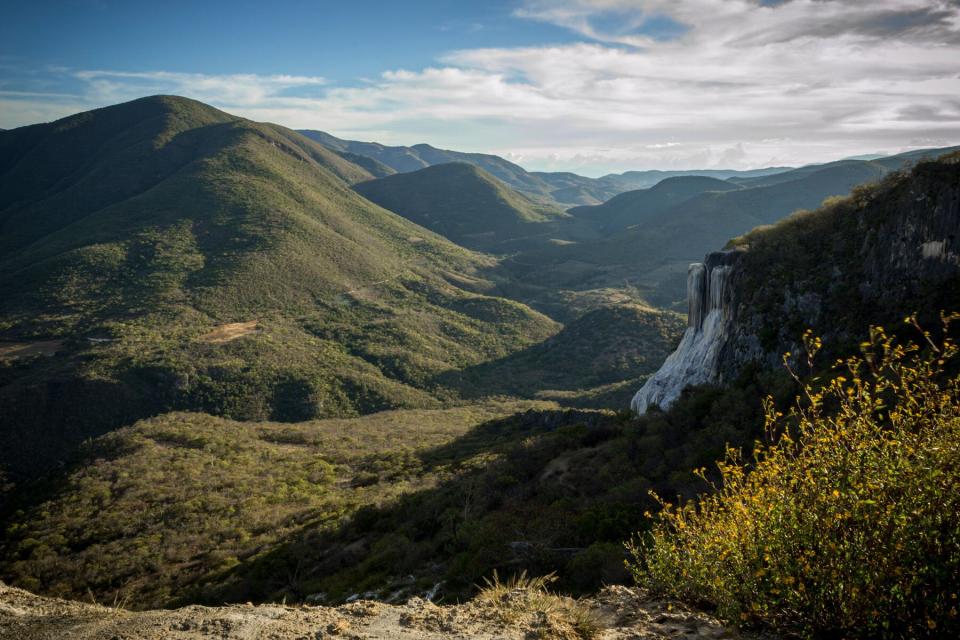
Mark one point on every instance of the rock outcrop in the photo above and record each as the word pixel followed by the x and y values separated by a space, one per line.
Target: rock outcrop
pixel 887 251
pixel 616 613
pixel 708 318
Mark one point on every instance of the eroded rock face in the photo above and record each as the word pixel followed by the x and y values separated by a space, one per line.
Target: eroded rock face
pixel 708 319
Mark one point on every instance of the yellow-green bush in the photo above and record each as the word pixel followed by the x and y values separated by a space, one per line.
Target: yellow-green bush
pixel 847 526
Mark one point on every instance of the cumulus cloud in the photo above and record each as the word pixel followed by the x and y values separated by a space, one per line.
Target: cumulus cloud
pixel 652 83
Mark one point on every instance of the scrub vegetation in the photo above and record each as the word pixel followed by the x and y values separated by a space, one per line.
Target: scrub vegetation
pixel 849 523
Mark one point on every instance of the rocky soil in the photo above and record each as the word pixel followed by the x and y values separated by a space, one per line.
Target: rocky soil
pixel 616 613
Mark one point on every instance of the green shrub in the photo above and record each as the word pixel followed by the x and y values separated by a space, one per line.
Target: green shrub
pixel 848 526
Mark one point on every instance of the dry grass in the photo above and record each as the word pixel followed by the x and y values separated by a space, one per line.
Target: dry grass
pixel 526 599
pixel 231 331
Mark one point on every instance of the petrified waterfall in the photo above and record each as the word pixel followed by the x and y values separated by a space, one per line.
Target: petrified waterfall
pixel 695 360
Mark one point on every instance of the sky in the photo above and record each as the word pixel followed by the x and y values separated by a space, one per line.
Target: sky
pixel 591 86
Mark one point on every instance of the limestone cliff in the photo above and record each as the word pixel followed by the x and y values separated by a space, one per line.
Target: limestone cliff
pixel 708 315
pixel 888 250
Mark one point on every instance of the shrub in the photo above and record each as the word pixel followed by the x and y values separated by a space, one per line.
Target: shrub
pixel 849 525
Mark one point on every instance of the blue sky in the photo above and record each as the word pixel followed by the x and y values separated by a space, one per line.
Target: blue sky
pixel 341 41
pixel 585 85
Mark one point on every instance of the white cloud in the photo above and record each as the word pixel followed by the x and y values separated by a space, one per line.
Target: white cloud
pixel 233 89
pixel 745 84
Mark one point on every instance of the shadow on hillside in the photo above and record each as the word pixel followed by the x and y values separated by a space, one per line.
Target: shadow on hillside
pixel 539 491
pixel 580 366
pixel 509 499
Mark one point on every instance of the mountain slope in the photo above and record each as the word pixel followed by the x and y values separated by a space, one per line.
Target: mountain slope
pixel 462 203
pixel 179 257
pixel 82 163
pixel 609 345
pixel 642 206
pixel 886 251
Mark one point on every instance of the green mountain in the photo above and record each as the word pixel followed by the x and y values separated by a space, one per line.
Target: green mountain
pixel 643 206
pixel 161 254
pixel 576 189
pixel 573 189
pixel 883 164
pixel 187 508
pixel 464 204
pixel 420 156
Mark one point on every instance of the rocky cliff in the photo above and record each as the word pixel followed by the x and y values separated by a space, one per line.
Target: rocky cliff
pixel 708 321
pixel 888 250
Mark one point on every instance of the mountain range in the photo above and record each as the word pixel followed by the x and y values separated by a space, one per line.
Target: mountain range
pixel 166 255
pixel 559 188
pixel 652 235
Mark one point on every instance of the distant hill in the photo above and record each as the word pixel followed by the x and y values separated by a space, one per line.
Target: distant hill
pixel 464 203
pixel 560 188
pixel 576 189
pixel 420 156
pixel 886 163
pixel 162 254
pixel 642 206
pixel 630 180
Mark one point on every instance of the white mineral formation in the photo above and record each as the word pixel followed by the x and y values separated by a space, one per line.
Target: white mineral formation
pixel 695 360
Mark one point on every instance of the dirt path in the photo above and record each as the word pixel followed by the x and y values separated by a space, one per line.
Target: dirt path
pixel 14 350
pixel 619 613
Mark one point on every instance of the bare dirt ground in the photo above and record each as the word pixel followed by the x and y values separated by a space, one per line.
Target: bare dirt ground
pixel 617 613
pixel 14 350
pixel 231 331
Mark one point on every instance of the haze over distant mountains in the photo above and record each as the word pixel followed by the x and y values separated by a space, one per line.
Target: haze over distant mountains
pixel 563 188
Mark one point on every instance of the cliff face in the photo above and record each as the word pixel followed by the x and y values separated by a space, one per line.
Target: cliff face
pixel 708 321
pixel 886 251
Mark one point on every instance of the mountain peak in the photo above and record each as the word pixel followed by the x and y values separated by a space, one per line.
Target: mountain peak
pixel 462 202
